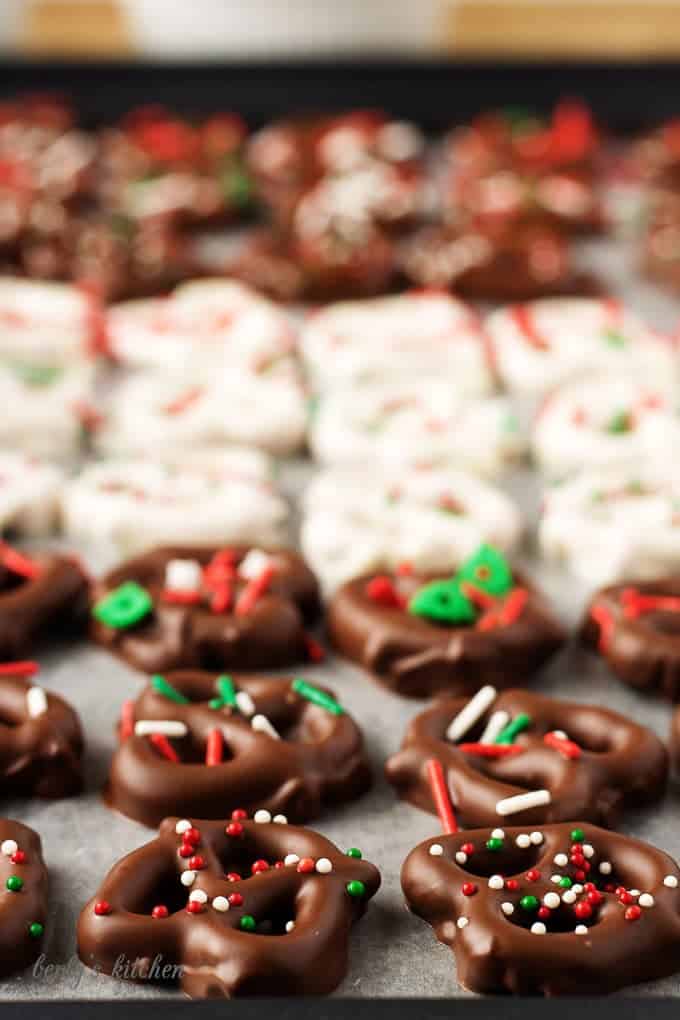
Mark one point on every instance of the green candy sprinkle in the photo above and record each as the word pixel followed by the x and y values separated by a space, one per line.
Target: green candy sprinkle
pixel 614 338
pixel 529 903
pixel 577 835
pixel 317 697
pixel 489 570
pixel 356 888
pixel 226 691
pixel 494 843
pixel 619 423
pixel 36 930
pixel 247 923
pixel 443 601
pixel 161 685
pixel 124 606
pixel 565 882
pixel 14 883
pixel 354 852
pixel 515 726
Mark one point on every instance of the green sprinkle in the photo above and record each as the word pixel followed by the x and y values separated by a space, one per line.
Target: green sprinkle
pixel 14 883
pixel 161 685
pixel 226 691
pixel 577 835
pixel 354 852
pixel 494 843
pixel 489 570
pixel 619 423
pixel 565 882
pixel 35 375
pixel 443 601
pixel 614 338
pixel 317 697
pixel 36 930
pixel 528 903
pixel 515 726
pixel 124 606
pixel 247 923
pixel 356 888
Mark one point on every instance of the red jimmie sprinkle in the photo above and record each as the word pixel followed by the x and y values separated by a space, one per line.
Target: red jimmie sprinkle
pixel 127 720
pixel 566 747
pixel 440 795
pixel 381 589
pixel 18 563
pixel 508 613
pixel 315 651
pixel 254 590
pixel 222 598
pixel 26 668
pixel 477 596
pixel 635 603
pixel 491 750
pixel 214 748
pixel 163 745
pixel 184 401
pixel 522 318
pixel 605 621
pixel 174 597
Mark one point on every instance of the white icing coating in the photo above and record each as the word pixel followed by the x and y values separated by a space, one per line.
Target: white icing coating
pixel 212 322
pixel 616 524
pixel 415 423
pixel 43 322
pixel 584 337
pixel 359 521
pixel 41 405
pixel 29 494
pixel 227 498
pixel 403 337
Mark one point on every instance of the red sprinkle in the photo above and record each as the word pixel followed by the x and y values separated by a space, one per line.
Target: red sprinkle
pixel 632 913
pixel 567 748
pixel 259 866
pixel 254 590
pixel 102 908
pixel 625 897
pixel 404 569
pixel 174 597
pixel 594 896
pixel 196 863
pixel 222 598
pixel 440 796
pixel 635 603
pixel 26 668
pixel 162 744
pixel 233 876
pixel 214 748
pixel 127 720
pixel 306 865
pixel 194 907
pixel 234 829
pixel 512 884
pixel 315 651
pixel 19 857
pixel 235 899
pixel 184 401
pixel 186 850
pixel 544 913
pixel 468 848
pixel 583 910
pixel 381 589
pixel 477 596
pixel 492 750
pixel 533 875
pixel 605 621
pixel 521 316
pixel 160 912
pixel 238 814
pixel 192 835
pixel 468 888
pixel 18 563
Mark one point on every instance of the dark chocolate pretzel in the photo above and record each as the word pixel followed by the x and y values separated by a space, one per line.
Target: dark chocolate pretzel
pixel 569 909
pixel 227 623
pixel 44 596
pixel 279 750
pixel 417 657
pixel 41 742
pixel 636 629
pixel 23 896
pixel 601 765
pixel 230 908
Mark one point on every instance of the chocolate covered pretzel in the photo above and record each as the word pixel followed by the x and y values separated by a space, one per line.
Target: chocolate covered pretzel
pixel 237 907
pixel 529 756
pixel 196 743
pixel 567 909
pixel 636 629
pixel 420 635
pixel 193 607
pixel 42 596
pixel 23 896
pixel 41 742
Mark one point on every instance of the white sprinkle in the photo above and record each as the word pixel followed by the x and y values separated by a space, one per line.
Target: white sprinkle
pixel 507 908
pixel 498 834
pixel 188 877
pixel 555 878
pixel 605 868
pixel 221 904
pixel 167 727
pixel 578 889
pixel 324 866
pixel 523 840
pixel 497 722
pixel 436 850
pixel 36 702
pixel 536 838
pixel 245 703
pixel 646 900
pixel 290 859
pixel 9 847
pixel 561 860
pixel 560 734
pixel 253 563
pixel 671 881
pixel 261 724
pixel 496 882
pixel 551 900
pixel 183 826
pixel 183 575
pixel 634 892
pixel 580 929
pixel 280 820
pixel 290 925
pixel 538 928
pixel 471 713
pixel 463 922
pixel 262 817
pixel 198 896
pixel 522 802
pixel 461 857
pixel 588 850
pixel 569 896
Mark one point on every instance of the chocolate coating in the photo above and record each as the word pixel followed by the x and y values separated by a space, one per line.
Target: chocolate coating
pixel 319 760
pixel 25 907
pixel 416 657
pixel 675 740
pixel 217 957
pixel 621 763
pixel 39 755
pixel 642 649
pixel 53 605
pixel 496 951
pixel 172 636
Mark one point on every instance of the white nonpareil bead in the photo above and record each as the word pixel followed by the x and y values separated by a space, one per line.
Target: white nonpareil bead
pixel 221 904
pixel 436 850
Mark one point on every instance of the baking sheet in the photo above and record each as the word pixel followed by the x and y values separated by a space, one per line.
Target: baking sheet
pixel 392 952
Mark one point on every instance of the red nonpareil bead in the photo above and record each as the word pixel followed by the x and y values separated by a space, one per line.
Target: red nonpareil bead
pixel 468 848
pixel 233 876
pixel 609 887
pixel 239 815
pixel 468 888
pixel 235 899
pixel 589 886
pixel 194 907
pixel 258 866
pixel 579 875
pixel 279 864
pixel 196 863
pixel 620 889
pixel 577 848
pixel 306 865
pixel 192 836
pixel 19 857
pixel 102 908
pixel 625 897
pixel 544 913
pixel 234 829
pixel 632 913
pixel 160 912
pixel 533 875
pixel 578 860
pixel 583 910
pixel 512 884
pixel 594 897
pixel 186 850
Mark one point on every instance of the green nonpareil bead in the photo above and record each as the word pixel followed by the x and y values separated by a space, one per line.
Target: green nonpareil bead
pixel 354 852
pixel 565 882
pixel 356 888
pixel 161 685
pixel 443 601
pixel 494 843
pixel 14 883
pixel 529 903
pixel 247 923
pixel 577 835
pixel 124 606
pixel 36 930
pixel 489 570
